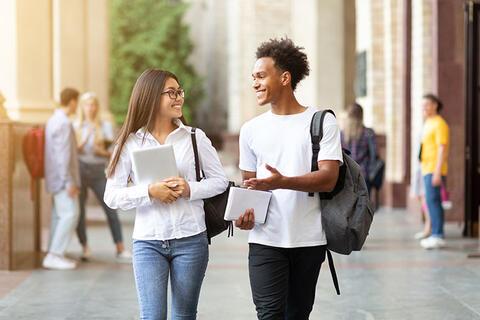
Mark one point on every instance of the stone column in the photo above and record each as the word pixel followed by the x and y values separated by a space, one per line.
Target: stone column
pixel 3 113
pixel 333 63
pixel 26 58
pixel 69 49
pixel 394 106
pixel 97 51
pixel 371 37
pixel 449 83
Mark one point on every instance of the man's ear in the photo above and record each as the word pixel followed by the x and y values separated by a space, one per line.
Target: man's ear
pixel 286 78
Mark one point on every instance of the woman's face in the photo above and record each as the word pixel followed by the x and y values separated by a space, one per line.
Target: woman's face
pixel 171 101
pixel 90 109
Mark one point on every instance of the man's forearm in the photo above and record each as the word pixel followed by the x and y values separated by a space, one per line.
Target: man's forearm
pixel 440 160
pixel 318 181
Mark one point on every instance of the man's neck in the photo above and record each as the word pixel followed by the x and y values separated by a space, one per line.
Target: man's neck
pixel 66 110
pixel 286 105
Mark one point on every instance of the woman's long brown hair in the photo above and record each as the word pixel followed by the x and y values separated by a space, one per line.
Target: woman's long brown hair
pixel 353 123
pixel 142 109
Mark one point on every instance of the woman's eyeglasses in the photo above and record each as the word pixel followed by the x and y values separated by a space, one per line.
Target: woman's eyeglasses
pixel 173 94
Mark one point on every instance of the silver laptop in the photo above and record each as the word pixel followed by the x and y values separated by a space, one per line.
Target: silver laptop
pixel 154 164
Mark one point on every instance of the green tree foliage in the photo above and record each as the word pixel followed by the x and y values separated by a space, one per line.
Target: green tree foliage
pixel 149 34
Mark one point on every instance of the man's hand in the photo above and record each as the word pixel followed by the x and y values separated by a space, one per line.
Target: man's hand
pixel 275 181
pixel 178 185
pixel 246 221
pixel 161 191
pixel 73 191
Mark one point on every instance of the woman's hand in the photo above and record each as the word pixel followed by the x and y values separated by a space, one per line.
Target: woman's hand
pixel 162 191
pixel 179 185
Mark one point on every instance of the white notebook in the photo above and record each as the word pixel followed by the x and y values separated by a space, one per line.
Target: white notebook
pixel 154 164
pixel 241 199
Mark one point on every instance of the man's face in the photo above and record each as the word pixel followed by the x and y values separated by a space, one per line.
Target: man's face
pixel 429 108
pixel 266 80
pixel 72 106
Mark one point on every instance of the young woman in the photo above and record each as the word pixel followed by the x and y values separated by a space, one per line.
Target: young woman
pixel 169 238
pixel 92 136
pixel 359 140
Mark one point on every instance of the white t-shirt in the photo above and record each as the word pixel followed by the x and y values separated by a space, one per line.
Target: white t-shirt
pixel 283 141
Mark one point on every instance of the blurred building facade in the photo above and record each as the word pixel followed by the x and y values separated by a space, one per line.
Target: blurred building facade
pixel 411 48
pixel 383 53
pixel 47 45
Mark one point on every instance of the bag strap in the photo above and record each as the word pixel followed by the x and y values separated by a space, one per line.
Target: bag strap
pixel 195 154
pixel 333 272
pixel 316 135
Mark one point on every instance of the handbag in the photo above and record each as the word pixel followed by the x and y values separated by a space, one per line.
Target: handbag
pixel 214 207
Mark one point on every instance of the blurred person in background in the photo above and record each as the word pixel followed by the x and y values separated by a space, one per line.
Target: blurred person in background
pixel 417 191
pixel 62 180
pixel 169 238
pixel 94 136
pixel 360 141
pixel 433 158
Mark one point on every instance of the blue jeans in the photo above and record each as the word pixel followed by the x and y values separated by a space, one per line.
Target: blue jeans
pixel 434 205
pixel 184 260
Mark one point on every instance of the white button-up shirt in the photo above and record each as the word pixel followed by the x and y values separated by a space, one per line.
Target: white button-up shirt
pixel 156 220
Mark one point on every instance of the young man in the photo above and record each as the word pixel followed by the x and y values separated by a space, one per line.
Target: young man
pixel 434 165
pixel 285 253
pixel 62 179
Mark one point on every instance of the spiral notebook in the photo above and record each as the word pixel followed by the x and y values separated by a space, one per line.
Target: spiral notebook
pixel 241 199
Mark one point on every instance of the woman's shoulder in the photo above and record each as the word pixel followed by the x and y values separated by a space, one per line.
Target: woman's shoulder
pixel 369 132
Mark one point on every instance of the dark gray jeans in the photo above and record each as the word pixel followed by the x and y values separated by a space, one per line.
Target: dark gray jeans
pixel 93 177
pixel 283 280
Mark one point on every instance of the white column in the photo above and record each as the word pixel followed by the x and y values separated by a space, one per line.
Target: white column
pixel 25 58
pixel 394 106
pixel 69 45
pixel 422 68
pixel 97 51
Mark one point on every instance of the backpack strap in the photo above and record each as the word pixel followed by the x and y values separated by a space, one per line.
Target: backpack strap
pixel 333 272
pixel 195 154
pixel 316 135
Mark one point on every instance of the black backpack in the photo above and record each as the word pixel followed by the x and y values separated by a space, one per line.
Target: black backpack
pixel 214 207
pixel 346 211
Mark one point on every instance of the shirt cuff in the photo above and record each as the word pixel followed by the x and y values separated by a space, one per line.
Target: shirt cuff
pixel 140 193
pixel 193 189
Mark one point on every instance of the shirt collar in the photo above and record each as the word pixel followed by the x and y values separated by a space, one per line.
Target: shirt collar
pixel 143 130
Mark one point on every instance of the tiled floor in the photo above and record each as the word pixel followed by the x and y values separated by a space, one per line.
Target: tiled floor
pixel 392 278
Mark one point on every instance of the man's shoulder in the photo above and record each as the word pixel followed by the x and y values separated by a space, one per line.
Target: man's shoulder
pixel 440 121
pixel 258 120
pixel 58 122
pixel 330 119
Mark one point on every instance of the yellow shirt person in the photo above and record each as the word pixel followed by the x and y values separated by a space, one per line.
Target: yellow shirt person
pixel 435 134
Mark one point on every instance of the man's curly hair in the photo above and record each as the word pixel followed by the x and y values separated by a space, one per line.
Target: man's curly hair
pixel 287 57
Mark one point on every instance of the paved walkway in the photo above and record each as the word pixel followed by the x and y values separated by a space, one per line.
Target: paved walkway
pixel 392 278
